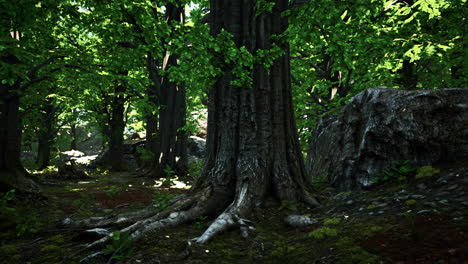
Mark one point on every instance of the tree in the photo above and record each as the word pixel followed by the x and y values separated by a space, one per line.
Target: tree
pixel 252 148
pixel 26 59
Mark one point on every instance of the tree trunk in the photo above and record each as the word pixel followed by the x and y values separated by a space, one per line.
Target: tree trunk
pixel 12 173
pixel 46 135
pixel 408 78
pixel 169 146
pixel 252 148
pixel 113 158
pixel 73 143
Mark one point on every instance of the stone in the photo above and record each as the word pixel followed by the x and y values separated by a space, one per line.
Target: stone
pixel 299 220
pixel 383 125
pixel 196 147
pixel 453 187
pixel 350 202
pixel 381 205
pixel 421 186
pixel 417 196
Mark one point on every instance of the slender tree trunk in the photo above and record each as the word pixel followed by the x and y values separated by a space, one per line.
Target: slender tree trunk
pixel 153 93
pixel 45 136
pixel 113 158
pixel 73 143
pixel 408 78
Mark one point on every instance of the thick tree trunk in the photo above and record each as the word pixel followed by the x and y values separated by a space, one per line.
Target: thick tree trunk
pixel 169 145
pixel 252 147
pixel 12 172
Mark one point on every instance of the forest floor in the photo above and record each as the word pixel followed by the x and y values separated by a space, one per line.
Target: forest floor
pixel 411 221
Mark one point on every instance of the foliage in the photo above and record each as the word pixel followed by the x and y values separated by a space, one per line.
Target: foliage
pixel 194 169
pixel 161 199
pixel 120 247
pixel 411 202
pixel 169 176
pixel 400 170
pixel 426 171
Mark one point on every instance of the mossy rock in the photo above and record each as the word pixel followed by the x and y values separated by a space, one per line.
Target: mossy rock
pixel 426 172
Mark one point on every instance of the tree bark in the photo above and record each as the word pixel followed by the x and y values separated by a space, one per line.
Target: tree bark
pixel 12 173
pixel 253 149
pixel 45 135
pixel 169 144
pixel 114 130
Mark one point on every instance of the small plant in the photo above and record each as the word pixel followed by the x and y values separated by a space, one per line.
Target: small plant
pixel 120 247
pixel 400 171
pixel 113 192
pixel 323 232
pixel 161 199
pixel 371 207
pixel 426 171
pixel 169 176
pixel 410 202
pixel 194 169
pixel 200 222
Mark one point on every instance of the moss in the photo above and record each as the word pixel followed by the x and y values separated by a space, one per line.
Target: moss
pixel 323 232
pixel 332 221
pixel 426 171
pixel 353 253
pixel 371 207
pixel 58 239
pixel 51 249
pixel 411 202
pixel 8 250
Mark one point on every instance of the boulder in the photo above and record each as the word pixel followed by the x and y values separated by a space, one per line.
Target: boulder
pixel 380 126
pixel 196 147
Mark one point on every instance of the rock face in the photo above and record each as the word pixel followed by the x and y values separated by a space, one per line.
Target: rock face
pixel 383 125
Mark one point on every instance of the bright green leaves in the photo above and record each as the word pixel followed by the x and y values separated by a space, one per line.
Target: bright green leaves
pixel 263 6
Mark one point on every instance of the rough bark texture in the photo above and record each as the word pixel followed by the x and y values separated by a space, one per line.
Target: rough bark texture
pixel 383 125
pixel 164 135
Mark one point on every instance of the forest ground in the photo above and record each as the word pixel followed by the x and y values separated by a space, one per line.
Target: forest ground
pixel 414 221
